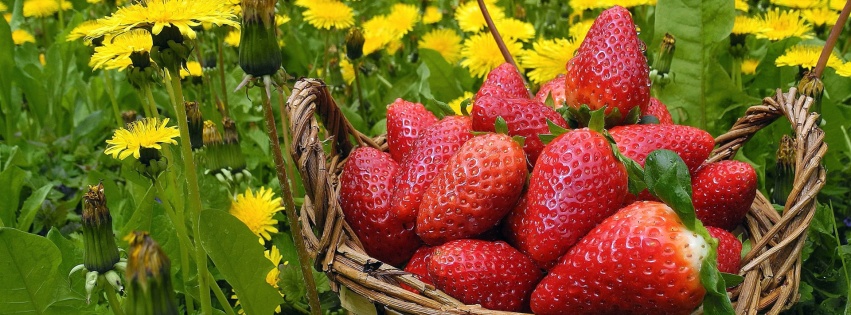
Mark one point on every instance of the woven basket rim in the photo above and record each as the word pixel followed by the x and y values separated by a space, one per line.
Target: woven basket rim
pixel 771 269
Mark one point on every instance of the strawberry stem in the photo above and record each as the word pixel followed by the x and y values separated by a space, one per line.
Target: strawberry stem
pixel 831 40
pixel 499 42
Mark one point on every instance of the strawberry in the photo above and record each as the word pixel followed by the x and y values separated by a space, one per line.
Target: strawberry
pixel 637 141
pixel 554 87
pixel 474 191
pixel 365 187
pixel 504 81
pixel 723 193
pixel 524 117
pixel 405 122
pixel 609 68
pixel 418 267
pixel 657 109
pixel 492 274
pixel 642 260
pixel 729 250
pixel 433 148
pixel 576 183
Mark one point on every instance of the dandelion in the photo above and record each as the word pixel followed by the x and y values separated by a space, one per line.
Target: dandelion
pixel 193 68
pixel 821 16
pixel 470 18
pixel 273 255
pixel 786 24
pixel 805 57
pixel 116 51
pixel 742 5
pixel 232 38
pixel 82 30
pixel 797 4
pixel 22 36
pixel 377 33
pixel 548 58
pixel 432 15
pixel 749 66
pixel 149 277
pixel 256 211
pixel 481 54
pixel 579 30
pixel 329 14
pixel 513 29
pixel 44 8
pixel 282 19
pixel 444 41
pixel 157 15
pixel 3 7
pixel 744 25
pixel 582 5
pixel 844 69
pixel 456 103
pixel 148 133
pixel 347 70
pixel 402 18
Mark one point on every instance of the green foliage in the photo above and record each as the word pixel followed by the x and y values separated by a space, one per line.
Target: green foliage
pixel 30 272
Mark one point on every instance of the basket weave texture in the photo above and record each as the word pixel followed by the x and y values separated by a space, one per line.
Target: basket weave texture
pixel 771 269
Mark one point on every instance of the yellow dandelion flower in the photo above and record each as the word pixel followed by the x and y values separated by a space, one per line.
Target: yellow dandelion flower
pixel 282 19
pixel 844 69
pixel 797 4
pixel 147 133
pixel 377 33
pixel 42 60
pixel 44 8
pixel 821 16
pixel 310 3
pixel 232 38
pixel 403 17
pixel 256 211
pixel 8 17
pixel 631 3
pixel 329 14
pixel 193 68
pixel 432 15
pixel 579 30
pixel 749 66
pixel 456 103
pixel 82 30
pixel 742 5
pixel 805 57
pixel 784 24
pixel 394 46
pixel 470 18
pixel 836 5
pixel 444 41
pixel 548 58
pixel 115 52
pixel 481 54
pixel 19 37
pixel 3 7
pixel 513 29
pixel 744 25
pixel 157 14
pixel 273 255
pixel 581 5
pixel 347 70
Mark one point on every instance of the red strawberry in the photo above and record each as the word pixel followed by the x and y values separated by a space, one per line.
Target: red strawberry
pixel 504 81
pixel 642 260
pixel 365 188
pixel 637 141
pixel 723 193
pixel 609 68
pixel 418 266
pixel 478 186
pixel 554 87
pixel 405 122
pixel 435 146
pixel 657 109
pixel 524 117
pixel 492 274
pixel 577 182
pixel 729 250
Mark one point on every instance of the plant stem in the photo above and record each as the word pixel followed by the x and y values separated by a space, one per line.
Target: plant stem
pixel 736 72
pixel 499 42
pixel 325 61
pixel 223 300
pixel 111 297
pixel 361 105
pixel 151 105
pixel 221 65
pixel 289 205
pixel 107 79
pixel 176 93
pixel 831 40
pixel 178 220
pixel 282 106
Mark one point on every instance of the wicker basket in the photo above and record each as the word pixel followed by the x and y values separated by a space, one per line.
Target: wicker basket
pixel 771 270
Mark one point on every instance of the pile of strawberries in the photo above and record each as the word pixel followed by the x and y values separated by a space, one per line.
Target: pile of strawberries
pixel 548 223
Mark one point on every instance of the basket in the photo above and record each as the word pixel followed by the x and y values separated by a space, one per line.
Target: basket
pixel 771 269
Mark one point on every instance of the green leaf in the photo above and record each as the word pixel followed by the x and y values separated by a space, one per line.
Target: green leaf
pixel 634 170
pixel 633 116
pixel 28 267
pixel 239 257
pixel 732 280
pixel 31 207
pixel 668 179
pixel 500 126
pixel 597 120
pixel 443 78
pixel 699 26
pixel 11 181
pixel 716 300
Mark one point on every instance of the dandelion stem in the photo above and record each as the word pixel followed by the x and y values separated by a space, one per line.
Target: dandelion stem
pixel 107 79
pixel 286 133
pixel 289 205
pixel 223 300
pixel 831 40
pixel 176 92
pixel 178 220
pixel 111 297
pixel 499 42
pixel 221 65
pixel 361 105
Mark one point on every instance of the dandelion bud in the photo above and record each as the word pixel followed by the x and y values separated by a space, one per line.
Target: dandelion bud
pixel 100 252
pixel 196 125
pixel 354 43
pixel 259 52
pixel 232 151
pixel 169 50
pixel 812 86
pixel 213 147
pixel 662 64
pixel 148 276
pixel 784 170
